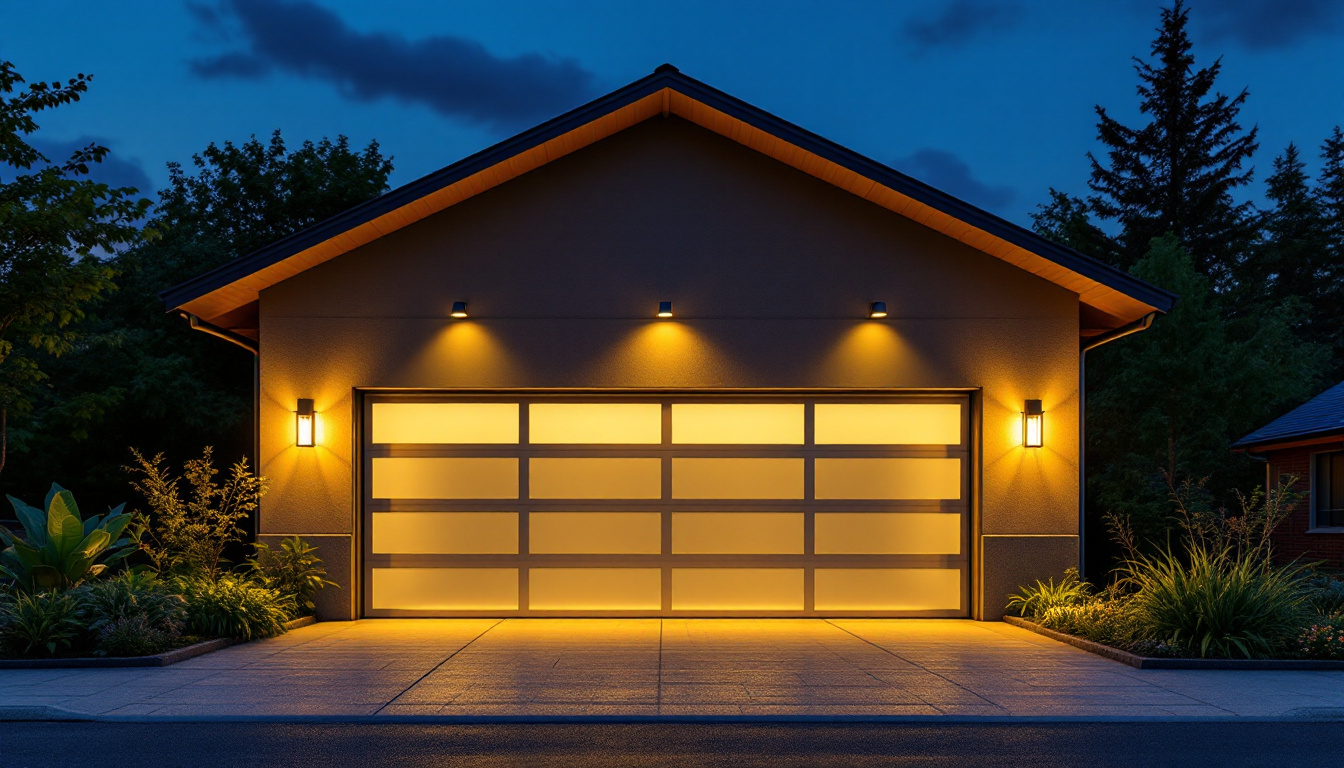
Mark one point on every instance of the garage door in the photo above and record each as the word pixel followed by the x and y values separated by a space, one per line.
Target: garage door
pixel 665 506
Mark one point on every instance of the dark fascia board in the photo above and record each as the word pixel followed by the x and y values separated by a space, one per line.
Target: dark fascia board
pixel 1268 443
pixel 668 77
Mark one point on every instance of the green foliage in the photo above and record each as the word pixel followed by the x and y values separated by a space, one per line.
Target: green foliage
pixel 1323 639
pixel 41 623
pixel 54 224
pixel 1325 595
pixel 142 377
pixel 58 548
pixel 1110 619
pixel 1168 402
pixel 1034 601
pixel 294 571
pixel 189 534
pixel 132 614
pixel 234 607
pixel 1216 603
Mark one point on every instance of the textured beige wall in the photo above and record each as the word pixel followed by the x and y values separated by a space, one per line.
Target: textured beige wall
pixel 770 271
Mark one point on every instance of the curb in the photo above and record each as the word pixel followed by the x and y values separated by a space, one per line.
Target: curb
pixel 56 714
pixel 1150 662
pixel 157 660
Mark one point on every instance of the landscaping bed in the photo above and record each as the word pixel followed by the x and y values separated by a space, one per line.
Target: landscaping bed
pixel 1154 662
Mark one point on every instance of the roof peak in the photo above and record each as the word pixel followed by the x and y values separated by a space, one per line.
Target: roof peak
pixel 665 67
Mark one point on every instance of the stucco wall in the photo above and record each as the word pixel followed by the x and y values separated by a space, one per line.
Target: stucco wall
pixel 770 272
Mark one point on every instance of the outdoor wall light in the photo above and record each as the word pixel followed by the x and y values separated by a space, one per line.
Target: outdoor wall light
pixel 877 309
pixel 305 423
pixel 664 309
pixel 459 309
pixel 1033 424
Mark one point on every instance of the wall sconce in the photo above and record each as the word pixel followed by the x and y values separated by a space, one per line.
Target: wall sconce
pixel 877 309
pixel 459 309
pixel 664 309
pixel 305 423
pixel 1033 424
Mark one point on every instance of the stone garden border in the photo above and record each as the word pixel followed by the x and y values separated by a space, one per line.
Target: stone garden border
pixel 1149 662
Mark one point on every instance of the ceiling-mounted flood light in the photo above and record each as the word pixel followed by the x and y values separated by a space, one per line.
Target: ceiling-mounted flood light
pixel 305 423
pixel 1033 424
pixel 664 309
pixel 459 309
pixel 877 309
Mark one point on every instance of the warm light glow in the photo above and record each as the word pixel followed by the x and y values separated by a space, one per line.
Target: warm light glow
pixel 888 424
pixel 737 478
pixel 737 424
pixel 595 589
pixel 888 533
pixel 664 309
pixel 737 533
pixel 737 589
pixel 459 309
pixel 596 478
pixel 417 477
pixel 445 533
pixel 445 589
pixel 878 309
pixel 888 478
pixel 445 423
pixel 595 423
pixel 595 533
pixel 305 429
pixel 888 589
pixel 1033 424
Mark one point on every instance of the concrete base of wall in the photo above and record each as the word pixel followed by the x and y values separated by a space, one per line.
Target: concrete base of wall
pixel 1009 562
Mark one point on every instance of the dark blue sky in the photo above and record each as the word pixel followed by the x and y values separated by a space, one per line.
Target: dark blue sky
pixel 990 100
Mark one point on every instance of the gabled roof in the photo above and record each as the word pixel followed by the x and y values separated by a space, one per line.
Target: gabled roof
pixel 1321 416
pixel 226 296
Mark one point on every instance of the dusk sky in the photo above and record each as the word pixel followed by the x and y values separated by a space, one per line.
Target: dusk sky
pixel 990 101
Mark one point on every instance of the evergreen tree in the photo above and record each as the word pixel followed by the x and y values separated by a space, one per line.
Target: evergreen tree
pixel 143 378
pixel 1066 221
pixel 1330 289
pixel 1177 173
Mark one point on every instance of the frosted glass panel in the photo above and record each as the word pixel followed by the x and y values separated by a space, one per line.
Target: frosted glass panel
pixel 747 589
pixel 446 589
pixel 737 533
pixel 444 478
pixel 447 533
pixel 737 478
pixel 596 478
pixel 888 479
pixel 595 533
pixel 888 424
pixel 590 423
pixel 888 589
pixel 884 533
pixel 494 423
pixel 737 423
pixel 601 589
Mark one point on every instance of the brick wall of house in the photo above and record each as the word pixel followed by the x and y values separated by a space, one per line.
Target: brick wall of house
pixel 1292 540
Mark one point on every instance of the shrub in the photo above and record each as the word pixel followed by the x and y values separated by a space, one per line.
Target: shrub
pixel 1324 639
pixel 1325 595
pixel 1032 602
pixel 295 571
pixel 189 535
pixel 1113 621
pixel 43 622
pixel 133 615
pixel 58 548
pixel 1217 604
pixel 234 607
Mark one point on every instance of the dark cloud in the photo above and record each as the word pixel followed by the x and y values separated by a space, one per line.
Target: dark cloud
pixel 960 21
pixel 1265 24
pixel 114 171
pixel 452 75
pixel 947 172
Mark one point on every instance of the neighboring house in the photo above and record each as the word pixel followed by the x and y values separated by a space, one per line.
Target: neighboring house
pixel 668 354
pixel 1308 443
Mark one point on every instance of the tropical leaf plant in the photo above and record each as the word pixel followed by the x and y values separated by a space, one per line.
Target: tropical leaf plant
pixel 295 570
pixel 58 548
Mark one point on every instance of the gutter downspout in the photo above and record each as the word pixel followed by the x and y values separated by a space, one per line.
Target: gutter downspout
pixel 197 324
pixel 1142 324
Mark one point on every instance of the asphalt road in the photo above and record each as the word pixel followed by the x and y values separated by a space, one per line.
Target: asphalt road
pixel 950 744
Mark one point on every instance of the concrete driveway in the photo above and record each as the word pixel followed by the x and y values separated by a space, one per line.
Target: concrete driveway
pixel 666 667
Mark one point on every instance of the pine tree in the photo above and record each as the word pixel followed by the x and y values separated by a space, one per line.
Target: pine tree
pixel 1177 173
pixel 1066 221
pixel 1330 287
pixel 1288 263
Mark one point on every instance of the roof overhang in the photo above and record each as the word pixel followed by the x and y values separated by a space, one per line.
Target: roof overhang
pixel 226 297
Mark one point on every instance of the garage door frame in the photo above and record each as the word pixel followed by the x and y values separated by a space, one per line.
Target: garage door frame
pixel 970 505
